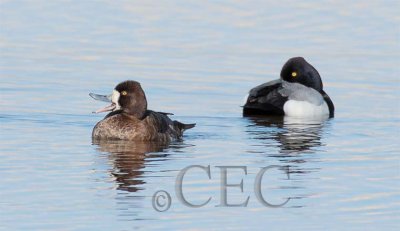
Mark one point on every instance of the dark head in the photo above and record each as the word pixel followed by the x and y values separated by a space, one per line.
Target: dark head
pixel 130 98
pixel 298 70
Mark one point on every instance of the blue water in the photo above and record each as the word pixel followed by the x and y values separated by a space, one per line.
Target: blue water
pixel 198 59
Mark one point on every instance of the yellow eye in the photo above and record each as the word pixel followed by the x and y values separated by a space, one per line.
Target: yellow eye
pixel 124 93
pixel 294 74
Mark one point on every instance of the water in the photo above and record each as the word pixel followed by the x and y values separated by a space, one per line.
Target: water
pixel 197 59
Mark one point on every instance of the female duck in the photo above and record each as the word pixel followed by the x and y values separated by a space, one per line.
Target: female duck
pixel 298 93
pixel 129 118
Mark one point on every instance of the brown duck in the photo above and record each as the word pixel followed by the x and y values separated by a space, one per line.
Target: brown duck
pixel 129 118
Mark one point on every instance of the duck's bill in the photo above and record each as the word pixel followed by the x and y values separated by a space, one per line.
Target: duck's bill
pixel 104 98
pixel 108 108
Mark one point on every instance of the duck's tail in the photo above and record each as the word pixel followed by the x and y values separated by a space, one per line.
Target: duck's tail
pixel 182 127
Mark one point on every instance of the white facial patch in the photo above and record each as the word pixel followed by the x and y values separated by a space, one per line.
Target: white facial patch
pixel 115 98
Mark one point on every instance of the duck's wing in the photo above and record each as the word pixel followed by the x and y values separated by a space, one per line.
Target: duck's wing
pixel 165 113
pixel 299 92
pixel 160 121
pixel 164 124
pixel 265 99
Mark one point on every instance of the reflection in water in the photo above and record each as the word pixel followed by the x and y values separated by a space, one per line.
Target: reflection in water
pixel 128 159
pixel 295 138
pixel 295 135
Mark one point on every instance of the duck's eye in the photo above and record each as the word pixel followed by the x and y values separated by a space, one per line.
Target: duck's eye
pixel 124 93
pixel 294 74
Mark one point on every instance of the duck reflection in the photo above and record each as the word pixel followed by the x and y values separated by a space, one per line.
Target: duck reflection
pixel 128 159
pixel 294 135
pixel 294 138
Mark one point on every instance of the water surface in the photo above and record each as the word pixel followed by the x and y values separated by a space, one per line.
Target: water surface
pixel 197 59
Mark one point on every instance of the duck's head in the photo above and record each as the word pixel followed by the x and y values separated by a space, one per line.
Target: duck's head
pixel 298 70
pixel 127 96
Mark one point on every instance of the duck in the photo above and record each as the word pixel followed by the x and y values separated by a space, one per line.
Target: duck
pixel 129 118
pixel 297 93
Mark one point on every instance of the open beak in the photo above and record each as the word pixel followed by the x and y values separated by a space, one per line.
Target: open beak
pixel 104 98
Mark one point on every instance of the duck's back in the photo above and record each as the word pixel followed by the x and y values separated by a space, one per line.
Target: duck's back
pixel 153 127
pixel 265 99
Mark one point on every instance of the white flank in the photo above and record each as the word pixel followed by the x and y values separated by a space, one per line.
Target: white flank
pixel 297 108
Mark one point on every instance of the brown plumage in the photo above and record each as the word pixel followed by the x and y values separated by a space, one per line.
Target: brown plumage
pixel 130 119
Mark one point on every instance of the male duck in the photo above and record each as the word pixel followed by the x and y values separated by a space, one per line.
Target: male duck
pixel 298 93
